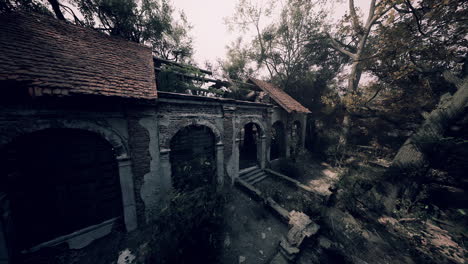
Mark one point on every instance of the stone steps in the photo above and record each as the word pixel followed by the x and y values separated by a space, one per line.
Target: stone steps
pixel 252 175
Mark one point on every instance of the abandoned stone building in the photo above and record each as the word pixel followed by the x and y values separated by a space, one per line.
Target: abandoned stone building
pixel 88 145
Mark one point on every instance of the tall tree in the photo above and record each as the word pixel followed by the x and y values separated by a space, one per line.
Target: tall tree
pixel 290 45
pixel 251 14
pixel 237 65
pixel 356 51
pixel 176 43
pixel 359 35
pixel 413 45
pixel 288 41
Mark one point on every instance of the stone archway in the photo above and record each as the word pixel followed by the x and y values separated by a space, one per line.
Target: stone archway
pixel 113 137
pixel 117 141
pixel 60 181
pixel 296 138
pixel 193 157
pixel 278 141
pixel 170 132
pixel 251 144
pixel 174 128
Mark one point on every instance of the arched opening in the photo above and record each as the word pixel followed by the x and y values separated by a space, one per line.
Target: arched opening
pixel 193 157
pixel 249 145
pixel 278 141
pixel 55 182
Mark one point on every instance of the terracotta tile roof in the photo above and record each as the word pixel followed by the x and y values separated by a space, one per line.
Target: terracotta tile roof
pixel 54 57
pixel 279 96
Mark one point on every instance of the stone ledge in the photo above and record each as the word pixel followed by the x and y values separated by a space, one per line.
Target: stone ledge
pixel 252 191
pixel 292 181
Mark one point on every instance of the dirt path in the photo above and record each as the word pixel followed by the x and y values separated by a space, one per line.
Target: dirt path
pixel 252 233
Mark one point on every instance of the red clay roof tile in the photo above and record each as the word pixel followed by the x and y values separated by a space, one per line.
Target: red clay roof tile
pixel 49 53
pixel 279 96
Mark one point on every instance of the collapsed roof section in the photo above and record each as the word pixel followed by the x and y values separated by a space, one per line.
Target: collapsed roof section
pixel 280 97
pixel 53 57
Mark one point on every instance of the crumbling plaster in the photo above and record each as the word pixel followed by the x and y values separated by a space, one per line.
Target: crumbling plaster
pixel 149 175
pixel 111 126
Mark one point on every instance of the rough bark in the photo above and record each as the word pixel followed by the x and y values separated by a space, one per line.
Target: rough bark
pixel 376 11
pixel 402 178
pixel 434 126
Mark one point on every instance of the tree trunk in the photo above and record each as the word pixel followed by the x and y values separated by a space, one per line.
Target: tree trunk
pixel 345 127
pixel 353 82
pixel 401 179
pixel 56 7
pixel 434 126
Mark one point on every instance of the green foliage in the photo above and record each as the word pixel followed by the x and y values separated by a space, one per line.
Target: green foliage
pixel 150 22
pixel 192 227
pixel 25 5
pixel 144 21
pixel 176 44
pixel 171 78
pixel 194 173
pixel 292 49
pixel 237 65
pixel 184 79
pixel 417 43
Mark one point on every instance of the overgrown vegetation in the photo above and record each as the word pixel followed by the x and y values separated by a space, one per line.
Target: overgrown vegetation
pixel 191 228
pixel 185 79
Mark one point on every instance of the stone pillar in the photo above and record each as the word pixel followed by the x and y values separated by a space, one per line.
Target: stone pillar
pixel 229 126
pixel 303 132
pixel 220 163
pixel 235 159
pixel 128 193
pixel 263 148
pixel 269 124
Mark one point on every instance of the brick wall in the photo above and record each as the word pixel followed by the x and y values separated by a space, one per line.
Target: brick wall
pixel 138 142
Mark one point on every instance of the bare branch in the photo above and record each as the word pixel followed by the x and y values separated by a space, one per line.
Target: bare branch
pixel 354 18
pixel 77 20
pixel 370 16
pixel 416 17
pixel 339 48
pixel 374 96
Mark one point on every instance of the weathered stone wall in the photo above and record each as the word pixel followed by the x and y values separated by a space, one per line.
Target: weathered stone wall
pixel 302 119
pixel 224 117
pixel 140 134
pixel 288 119
pixel 111 123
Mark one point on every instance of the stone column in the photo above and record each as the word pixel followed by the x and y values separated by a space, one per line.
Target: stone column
pixel 229 127
pixel 220 163
pixel 235 159
pixel 128 193
pixel 287 132
pixel 263 148
pixel 304 129
pixel 269 124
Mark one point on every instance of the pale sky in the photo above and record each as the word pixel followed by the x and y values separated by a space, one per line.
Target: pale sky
pixel 211 35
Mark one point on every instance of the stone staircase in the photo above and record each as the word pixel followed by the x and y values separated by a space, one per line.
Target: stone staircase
pixel 252 175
